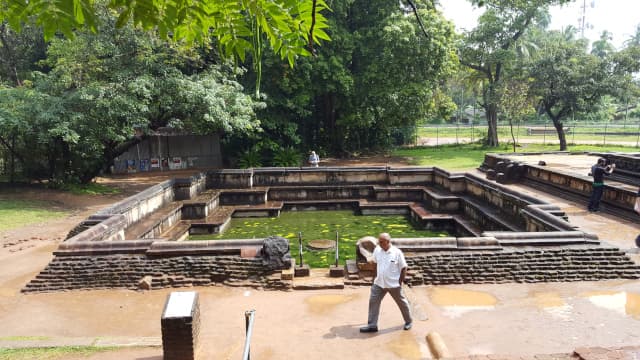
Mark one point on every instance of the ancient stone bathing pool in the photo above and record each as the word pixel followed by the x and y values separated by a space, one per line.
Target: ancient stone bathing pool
pixel 486 232
pixel 322 225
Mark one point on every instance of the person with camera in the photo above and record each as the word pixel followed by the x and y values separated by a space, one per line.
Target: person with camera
pixel 599 171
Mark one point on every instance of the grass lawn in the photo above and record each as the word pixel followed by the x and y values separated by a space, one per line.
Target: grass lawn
pixel 576 133
pixel 89 189
pixel 18 213
pixel 470 156
pixel 51 353
pixel 319 225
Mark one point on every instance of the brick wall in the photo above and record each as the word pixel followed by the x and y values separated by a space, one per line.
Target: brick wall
pixel 531 265
pixel 125 271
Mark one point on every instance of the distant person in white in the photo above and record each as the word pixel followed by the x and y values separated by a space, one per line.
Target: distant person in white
pixel 391 269
pixel 314 159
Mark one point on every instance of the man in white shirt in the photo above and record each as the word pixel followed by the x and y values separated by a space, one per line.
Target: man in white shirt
pixel 314 159
pixel 391 269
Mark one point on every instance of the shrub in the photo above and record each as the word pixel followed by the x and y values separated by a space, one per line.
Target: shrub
pixel 286 157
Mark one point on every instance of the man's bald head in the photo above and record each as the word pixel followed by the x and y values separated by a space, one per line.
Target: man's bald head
pixel 384 240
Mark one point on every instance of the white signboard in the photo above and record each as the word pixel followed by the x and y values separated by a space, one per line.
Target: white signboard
pixel 179 304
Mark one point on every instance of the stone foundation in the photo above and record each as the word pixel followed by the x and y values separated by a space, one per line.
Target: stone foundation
pixel 126 271
pixel 584 263
pixel 139 240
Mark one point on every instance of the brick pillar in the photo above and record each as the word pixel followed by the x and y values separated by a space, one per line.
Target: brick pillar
pixel 181 326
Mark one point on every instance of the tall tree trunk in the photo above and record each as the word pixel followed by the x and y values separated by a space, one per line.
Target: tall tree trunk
pixel 492 125
pixel 560 130
pixel 12 171
pixel 513 136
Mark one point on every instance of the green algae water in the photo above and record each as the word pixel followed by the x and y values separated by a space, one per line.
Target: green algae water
pixel 319 225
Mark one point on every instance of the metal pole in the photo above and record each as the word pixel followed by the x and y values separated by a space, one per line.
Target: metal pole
pixel 474 117
pixel 604 138
pixel 337 255
pixel 249 317
pixel 626 113
pixel 300 246
pixel 573 118
pixel 638 140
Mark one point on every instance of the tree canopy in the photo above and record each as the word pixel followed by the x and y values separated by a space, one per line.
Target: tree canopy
pixel 490 48
pixel 290 26
pixel 78 112
pixel 369 86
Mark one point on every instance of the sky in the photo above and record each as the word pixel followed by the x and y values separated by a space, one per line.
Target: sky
pixel 619 17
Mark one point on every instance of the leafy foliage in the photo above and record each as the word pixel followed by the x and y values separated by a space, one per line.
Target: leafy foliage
pixel 71 121
pixel 568 80
pixel 490 48
pixel 288 156
pixel 236 24
pixel 250 159
pixel 378 73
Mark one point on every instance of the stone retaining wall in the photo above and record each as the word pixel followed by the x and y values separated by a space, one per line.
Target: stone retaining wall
pixel 136 207
pixel 126 271
pixel 99 257
pixel 578 263
pixel 528 265
pixel 620 200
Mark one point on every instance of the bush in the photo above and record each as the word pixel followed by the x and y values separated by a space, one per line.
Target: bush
pixel 286 157
pixel 249 159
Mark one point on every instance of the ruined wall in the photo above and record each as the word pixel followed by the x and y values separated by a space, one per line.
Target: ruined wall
pixel 137 207
pixel 125 271
pixel 526 265
pixel 565 185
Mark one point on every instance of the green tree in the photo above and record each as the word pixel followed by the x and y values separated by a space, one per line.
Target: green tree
pixel 74 119
pixel 289 26
pixel 369 86
pixel 603 47
pixel 490 48
pixel 20 53
pixel 567 79
pixel 515 103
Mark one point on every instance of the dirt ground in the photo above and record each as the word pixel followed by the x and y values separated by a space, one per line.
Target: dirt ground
pixel 513 319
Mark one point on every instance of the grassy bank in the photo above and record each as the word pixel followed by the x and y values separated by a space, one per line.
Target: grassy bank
pixel 470 156
pixel 18 213
pixel 53 353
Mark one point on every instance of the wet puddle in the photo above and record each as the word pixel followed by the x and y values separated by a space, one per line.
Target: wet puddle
pixel 321 304
pixel 405 346
pixel 456 302
pixel 553 304
pixel 622 302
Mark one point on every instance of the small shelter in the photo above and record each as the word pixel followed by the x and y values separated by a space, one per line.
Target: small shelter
pixel 170 149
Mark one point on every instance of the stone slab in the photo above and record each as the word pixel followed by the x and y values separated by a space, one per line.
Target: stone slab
pixel 301 271
pixel 336 271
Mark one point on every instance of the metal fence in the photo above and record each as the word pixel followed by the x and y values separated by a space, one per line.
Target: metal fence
pixel 618 133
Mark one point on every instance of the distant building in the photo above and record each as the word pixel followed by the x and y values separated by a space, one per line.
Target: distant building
pixel 170 149
pixel 467 116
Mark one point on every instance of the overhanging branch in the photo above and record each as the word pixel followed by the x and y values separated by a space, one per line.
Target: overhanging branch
pixel 415 12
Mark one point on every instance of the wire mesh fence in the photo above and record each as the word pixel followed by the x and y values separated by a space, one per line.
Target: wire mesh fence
pixel 619 133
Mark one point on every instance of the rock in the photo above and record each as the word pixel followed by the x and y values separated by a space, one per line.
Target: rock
pixel 145 283
pixel 275 253
pixel 542 163
pixel 491 174
pixel 365 247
